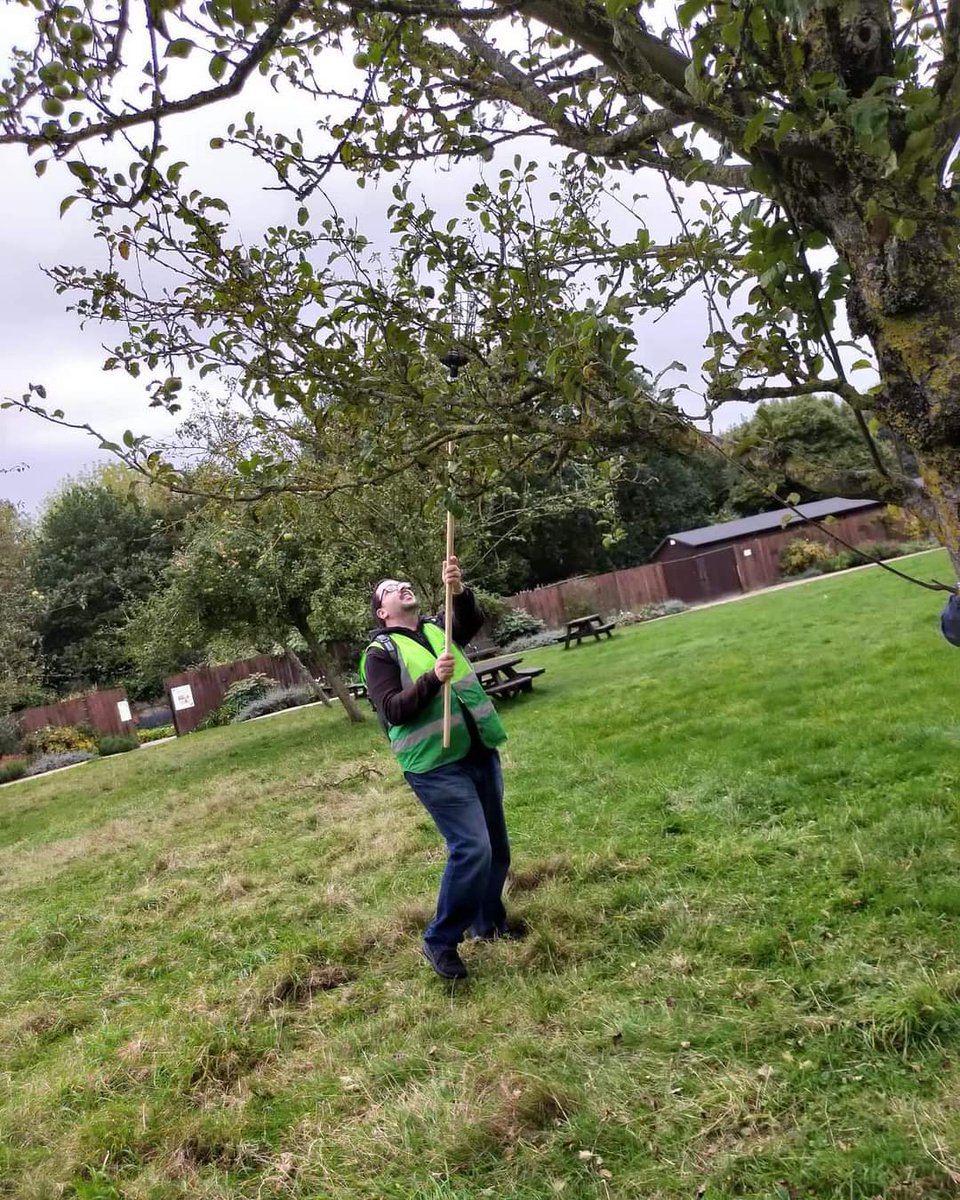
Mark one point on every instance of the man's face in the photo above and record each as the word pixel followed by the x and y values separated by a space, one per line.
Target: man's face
pixel 397 600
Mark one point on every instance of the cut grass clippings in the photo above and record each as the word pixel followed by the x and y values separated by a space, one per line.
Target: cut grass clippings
pixel 735 842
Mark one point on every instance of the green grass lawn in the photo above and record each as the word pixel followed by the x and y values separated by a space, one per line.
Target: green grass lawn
pixel 735 840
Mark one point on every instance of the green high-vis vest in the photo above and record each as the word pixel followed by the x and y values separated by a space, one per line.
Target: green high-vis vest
pixel 419 744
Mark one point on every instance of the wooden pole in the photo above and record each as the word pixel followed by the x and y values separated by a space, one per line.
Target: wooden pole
pixel 448 621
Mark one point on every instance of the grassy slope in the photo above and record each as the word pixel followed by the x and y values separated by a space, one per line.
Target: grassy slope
pixel 735 837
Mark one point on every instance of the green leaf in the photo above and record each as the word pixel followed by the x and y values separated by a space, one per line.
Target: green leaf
pixel 787 122
pixel 754 129
pixel 66 203
pixel 179 48
pixel 862 364
pixel 81 171
pixel 218 67
pixel 303 215
pixel 905 227
pixel 793 498
pixel 688 10
pixel 695 82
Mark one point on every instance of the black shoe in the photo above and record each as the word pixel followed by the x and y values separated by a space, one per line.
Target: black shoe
pixel 512 931
pixel 446 962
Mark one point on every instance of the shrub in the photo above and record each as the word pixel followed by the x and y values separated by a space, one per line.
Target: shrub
pixel 52 762
pixel 495 608
pixel 276 701
pixel 650 612
pixel 116 744
pixel 840 562
pixel 801 554
pixel 884 549
pixel 9 736
pixel 845 559
pixel 535 641
pixel 238 695
pixel 58 739
pixel 155 735
pixel 516 624
pixel 13 768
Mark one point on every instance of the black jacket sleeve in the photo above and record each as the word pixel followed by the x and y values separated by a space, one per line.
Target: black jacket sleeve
pixel 468 617
pixel 398 705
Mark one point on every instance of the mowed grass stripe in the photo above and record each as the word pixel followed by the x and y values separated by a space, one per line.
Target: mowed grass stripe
pixel 735 839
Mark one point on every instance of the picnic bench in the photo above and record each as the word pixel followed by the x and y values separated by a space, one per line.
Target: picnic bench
pixel 357 690
pixel 477 655
pixel 504 677
pixel 581 627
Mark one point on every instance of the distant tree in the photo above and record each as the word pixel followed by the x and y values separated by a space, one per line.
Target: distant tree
pixel 664 493
pixel 20 673
pixel 283 565
pixel 810 446
pixel 98 548
pixel 571 526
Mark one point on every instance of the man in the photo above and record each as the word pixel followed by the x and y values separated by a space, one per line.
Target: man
pixel 405 668
pixel 950 620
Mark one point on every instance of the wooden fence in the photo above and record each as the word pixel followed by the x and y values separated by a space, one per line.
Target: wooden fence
pixel 193 695
pixel 742 566
pixel 617 591
pixel 106 712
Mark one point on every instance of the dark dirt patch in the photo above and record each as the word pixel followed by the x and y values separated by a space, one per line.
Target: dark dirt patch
pixel 537 873
pixel 297 988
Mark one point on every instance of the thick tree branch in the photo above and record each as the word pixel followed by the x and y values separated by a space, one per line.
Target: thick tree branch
pixel 947 85
pixel 751 395
pixel 589 26
pixel 65 140
pixel 537 103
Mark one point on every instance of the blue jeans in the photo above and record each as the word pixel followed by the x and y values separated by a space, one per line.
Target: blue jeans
pixel 465 800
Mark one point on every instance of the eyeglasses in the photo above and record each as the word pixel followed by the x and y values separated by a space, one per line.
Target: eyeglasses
pixel 391 585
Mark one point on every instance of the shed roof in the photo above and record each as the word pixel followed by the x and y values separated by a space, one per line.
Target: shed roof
pixel 762 522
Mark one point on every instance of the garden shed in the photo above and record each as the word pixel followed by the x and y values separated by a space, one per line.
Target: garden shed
pixel 738 556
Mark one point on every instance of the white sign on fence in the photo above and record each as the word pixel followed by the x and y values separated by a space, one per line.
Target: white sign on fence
pixel 182 697
pixel 123 708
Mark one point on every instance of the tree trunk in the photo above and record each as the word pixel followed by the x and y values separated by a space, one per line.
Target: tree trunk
pixel 906 299
pixel 326 662
pixel 307 678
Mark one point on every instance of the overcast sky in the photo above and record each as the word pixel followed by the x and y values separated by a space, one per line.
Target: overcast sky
pixel 40 342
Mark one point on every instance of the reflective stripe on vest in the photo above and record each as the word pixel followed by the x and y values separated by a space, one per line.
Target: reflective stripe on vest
pixel 419 744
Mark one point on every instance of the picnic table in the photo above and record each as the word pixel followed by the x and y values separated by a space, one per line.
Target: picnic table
pixel 504 677
pixel 357 690
pixel 477 655
pixel 581 627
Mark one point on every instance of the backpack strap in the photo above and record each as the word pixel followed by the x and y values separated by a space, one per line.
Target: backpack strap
pixel 386 642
